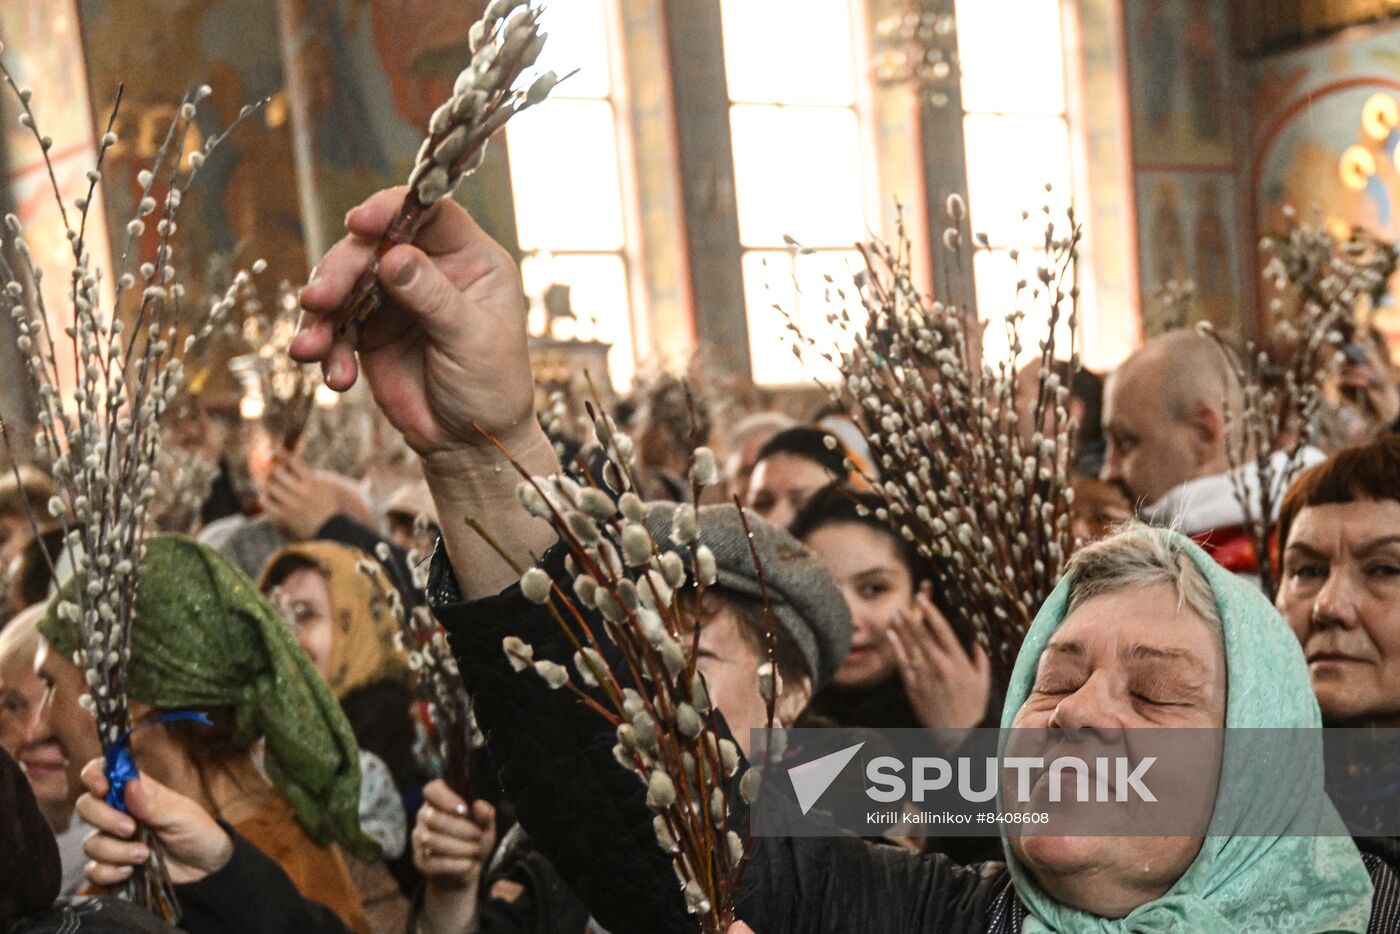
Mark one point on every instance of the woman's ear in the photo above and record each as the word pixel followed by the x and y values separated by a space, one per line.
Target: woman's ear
pixel 793 700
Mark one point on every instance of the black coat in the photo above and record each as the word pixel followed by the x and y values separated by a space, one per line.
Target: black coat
pixel 589 818
pixel 252 893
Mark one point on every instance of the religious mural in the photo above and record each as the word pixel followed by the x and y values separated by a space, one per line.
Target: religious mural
pixel 246 193
pixel 42 41
pixel 1187 223
pixel 1184 138
pixel 244 204
pixel 1325 132
pixel 1179 79
pixel 365 77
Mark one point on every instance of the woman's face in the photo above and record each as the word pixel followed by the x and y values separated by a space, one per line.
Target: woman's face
pixel 1341 595
pixel 305 600
pixel 1125 660
pixel 876 584
pixel 781 484
pixel 730 662
pixel 21 693
pixel 62 727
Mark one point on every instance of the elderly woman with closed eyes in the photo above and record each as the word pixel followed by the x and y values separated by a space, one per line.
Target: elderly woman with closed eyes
pixel 454 356
pixel 1145 631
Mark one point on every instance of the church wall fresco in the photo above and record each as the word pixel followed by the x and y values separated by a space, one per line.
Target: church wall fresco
pixel 1324 132
pixel 42 41
pixel 1181 78
pixel 245 200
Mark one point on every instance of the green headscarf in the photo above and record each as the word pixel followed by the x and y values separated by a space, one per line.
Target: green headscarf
pixel 204 637
pixel 1309 877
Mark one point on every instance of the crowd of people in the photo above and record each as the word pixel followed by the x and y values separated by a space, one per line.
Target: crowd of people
pixel 286 770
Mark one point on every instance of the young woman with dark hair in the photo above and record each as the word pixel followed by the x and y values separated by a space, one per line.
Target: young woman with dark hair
pixel 791 467
pixel 908 667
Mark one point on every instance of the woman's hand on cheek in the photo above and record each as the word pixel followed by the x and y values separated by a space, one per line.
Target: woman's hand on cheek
pixel 947 686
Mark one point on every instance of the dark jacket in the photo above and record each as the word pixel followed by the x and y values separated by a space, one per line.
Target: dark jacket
pixel 91 915
pixel 882 706
pixel 588 815
pixel 251 893
pixel 589 818
pixel 545 905
pixel 1382 858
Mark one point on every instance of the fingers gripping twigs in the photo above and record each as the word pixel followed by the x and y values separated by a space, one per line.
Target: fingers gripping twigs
pixel 505 43
pixel 451 841
pixel 193 842
pixel 456 353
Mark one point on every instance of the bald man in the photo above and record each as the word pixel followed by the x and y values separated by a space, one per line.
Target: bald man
pixel 1164 421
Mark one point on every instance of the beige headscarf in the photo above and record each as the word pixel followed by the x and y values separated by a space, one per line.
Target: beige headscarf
pixel 363 647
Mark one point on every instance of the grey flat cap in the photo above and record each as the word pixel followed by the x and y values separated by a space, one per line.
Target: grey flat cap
pixel 804 597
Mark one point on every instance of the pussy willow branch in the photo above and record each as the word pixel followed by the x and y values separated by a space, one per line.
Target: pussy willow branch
pixel 423 643
pixel 1317 283
pixel 504 43
pixel 770 697
pixel 666 725
pixel 102 441
pixel 985 499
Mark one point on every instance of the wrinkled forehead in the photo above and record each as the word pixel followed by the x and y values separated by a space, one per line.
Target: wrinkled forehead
pixel 47 658
pixel 1362 526
pixel 20 638
pixel 1145 624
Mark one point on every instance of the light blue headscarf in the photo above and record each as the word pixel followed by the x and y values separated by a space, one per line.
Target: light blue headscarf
pixel 1306 879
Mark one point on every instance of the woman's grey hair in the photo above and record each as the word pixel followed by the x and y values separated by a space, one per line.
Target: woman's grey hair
pixel 1140 556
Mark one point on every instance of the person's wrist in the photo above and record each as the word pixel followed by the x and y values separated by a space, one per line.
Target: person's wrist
pixel 527 444
pixel 448 907
pixel 453 887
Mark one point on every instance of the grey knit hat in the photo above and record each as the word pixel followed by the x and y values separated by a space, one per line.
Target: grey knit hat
pixel 805 599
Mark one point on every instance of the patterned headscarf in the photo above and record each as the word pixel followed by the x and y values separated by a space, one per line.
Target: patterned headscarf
pixel 1309 875
pixel 364 630
pixel 204 637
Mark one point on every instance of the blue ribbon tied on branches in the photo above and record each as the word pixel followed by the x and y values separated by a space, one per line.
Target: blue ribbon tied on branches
pixel 121 768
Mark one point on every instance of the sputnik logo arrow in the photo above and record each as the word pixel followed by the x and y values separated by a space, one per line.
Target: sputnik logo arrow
pixel 810 780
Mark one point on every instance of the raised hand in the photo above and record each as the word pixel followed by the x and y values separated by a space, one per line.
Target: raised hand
pixel 195 845
pixel 947 687
pixel 301 499
pixel 449 350
pixel 450 840
pixel 451 843
pixel 448 354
